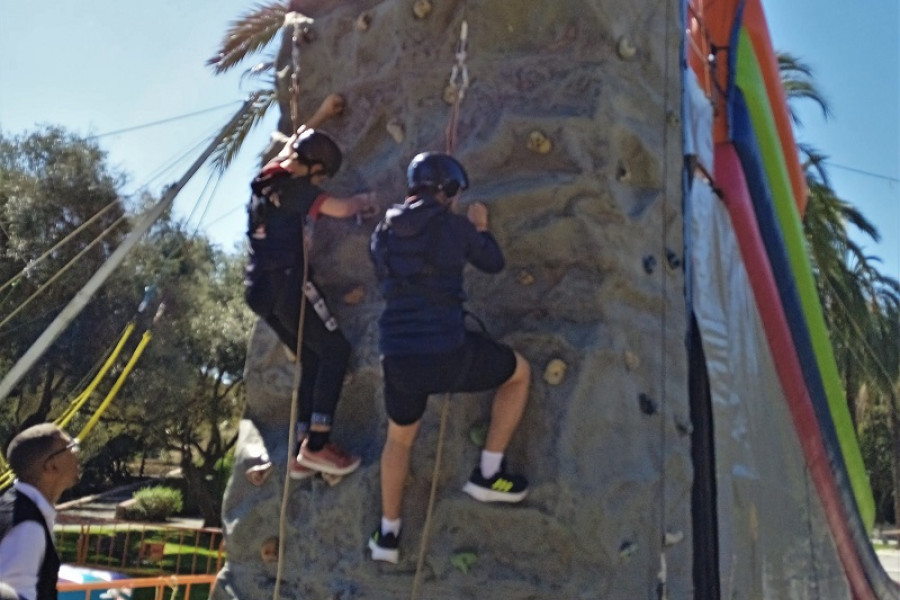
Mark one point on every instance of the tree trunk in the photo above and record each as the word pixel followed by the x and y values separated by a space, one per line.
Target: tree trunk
pixel 895 461
pixel 210 507
pixel 43 409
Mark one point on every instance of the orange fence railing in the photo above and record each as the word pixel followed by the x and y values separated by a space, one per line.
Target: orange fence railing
pixel 137 548
pixel 179 587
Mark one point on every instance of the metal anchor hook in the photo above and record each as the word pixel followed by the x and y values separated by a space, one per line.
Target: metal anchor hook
pixel 459 75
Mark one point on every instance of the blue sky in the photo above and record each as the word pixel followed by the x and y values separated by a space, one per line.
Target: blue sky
pixel 101 66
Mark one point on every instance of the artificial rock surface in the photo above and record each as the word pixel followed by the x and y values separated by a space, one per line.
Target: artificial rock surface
pixel 571 136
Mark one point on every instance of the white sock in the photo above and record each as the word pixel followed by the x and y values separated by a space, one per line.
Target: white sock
pixel 390 526
pixel 490 463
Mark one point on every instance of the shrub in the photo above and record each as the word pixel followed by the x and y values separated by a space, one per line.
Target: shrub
pixel 157 503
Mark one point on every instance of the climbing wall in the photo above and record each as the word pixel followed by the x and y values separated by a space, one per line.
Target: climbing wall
pixel 571 135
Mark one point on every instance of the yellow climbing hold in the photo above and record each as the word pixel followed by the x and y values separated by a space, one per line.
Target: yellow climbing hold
pixel 632 362
pixel 396 130
pixel 555 372
pixel 539 142
pixel 355 296
pixel 524 278
pixel 363 21
pixel 422 8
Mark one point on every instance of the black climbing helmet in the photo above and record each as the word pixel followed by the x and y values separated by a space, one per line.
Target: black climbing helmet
pixel 314 147
pixel 436 171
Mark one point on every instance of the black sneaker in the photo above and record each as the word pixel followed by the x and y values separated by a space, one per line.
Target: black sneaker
pixel 384 546
pixel 502 487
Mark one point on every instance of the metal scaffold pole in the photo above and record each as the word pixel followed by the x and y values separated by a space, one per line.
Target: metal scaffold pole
pixel 84 295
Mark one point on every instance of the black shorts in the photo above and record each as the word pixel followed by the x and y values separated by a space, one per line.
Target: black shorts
pixel 479 364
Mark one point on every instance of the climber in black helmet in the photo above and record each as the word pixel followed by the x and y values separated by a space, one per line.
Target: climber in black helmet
pixel 419 250
pixel 286 197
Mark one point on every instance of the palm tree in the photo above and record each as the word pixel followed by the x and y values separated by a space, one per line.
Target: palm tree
pixel 861 304
pixel 249 35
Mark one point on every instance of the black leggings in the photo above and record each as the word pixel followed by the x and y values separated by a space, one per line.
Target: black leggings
pixel 276 296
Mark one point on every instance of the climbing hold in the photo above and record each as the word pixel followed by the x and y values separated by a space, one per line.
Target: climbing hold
pixel 355 296
pixel 649 264
pixel 269 550
pixel 463 560
pixel 625 48
pixel 555 372
pixel 539 142
pixel 478 434
pixel 395 128
pixel 422 8
pixel 258 474
pixel 632 362
pixel 363 21
pixel 623 173
pixel 627 549
pixel 647 404
pixel 672 261
pixel 524 278
pixel 683 425
pixel 332 479
pixel 673 537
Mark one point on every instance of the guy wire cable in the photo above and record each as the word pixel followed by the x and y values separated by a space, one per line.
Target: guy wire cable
pixel 32 264
pixel 62 270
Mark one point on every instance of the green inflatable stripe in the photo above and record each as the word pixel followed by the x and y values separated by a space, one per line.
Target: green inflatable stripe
pixel 749 78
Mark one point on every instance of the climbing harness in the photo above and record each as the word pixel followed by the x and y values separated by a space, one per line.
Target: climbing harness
pixel 311 292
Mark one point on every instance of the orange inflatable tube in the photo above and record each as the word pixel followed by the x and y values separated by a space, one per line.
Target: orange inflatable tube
pixel 754 21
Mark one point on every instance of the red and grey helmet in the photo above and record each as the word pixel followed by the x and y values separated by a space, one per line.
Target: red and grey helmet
pixel 436 171
pixel 314 147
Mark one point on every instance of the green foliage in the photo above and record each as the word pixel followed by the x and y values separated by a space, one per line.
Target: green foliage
pixel 223 469
pixel 60 217
pixel 156 503
pixel 875 445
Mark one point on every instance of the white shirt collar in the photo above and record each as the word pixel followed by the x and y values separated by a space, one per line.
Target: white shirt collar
pixel 37 497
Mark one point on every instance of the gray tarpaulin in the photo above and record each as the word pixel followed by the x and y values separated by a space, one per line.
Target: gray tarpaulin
pixel 774 541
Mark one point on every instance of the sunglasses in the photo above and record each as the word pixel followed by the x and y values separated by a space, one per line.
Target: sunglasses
pixel 73 446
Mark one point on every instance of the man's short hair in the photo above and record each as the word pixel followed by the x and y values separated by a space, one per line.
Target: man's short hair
pixel 30 446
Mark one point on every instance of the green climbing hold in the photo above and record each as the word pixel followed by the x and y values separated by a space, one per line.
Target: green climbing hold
pixel 478 434
pixel 463 561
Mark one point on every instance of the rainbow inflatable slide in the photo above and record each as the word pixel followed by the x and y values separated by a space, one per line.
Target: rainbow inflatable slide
pixel 788 492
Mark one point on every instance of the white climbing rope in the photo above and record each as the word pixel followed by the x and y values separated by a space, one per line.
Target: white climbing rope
pixel 459 83
pixel 423 544
pixel 292 428
pixel 298 364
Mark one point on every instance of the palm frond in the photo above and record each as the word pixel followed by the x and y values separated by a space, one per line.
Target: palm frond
pixel 234 138
pixel 249 34
pixel 814 165
pixel 262 71
pixel 798 83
